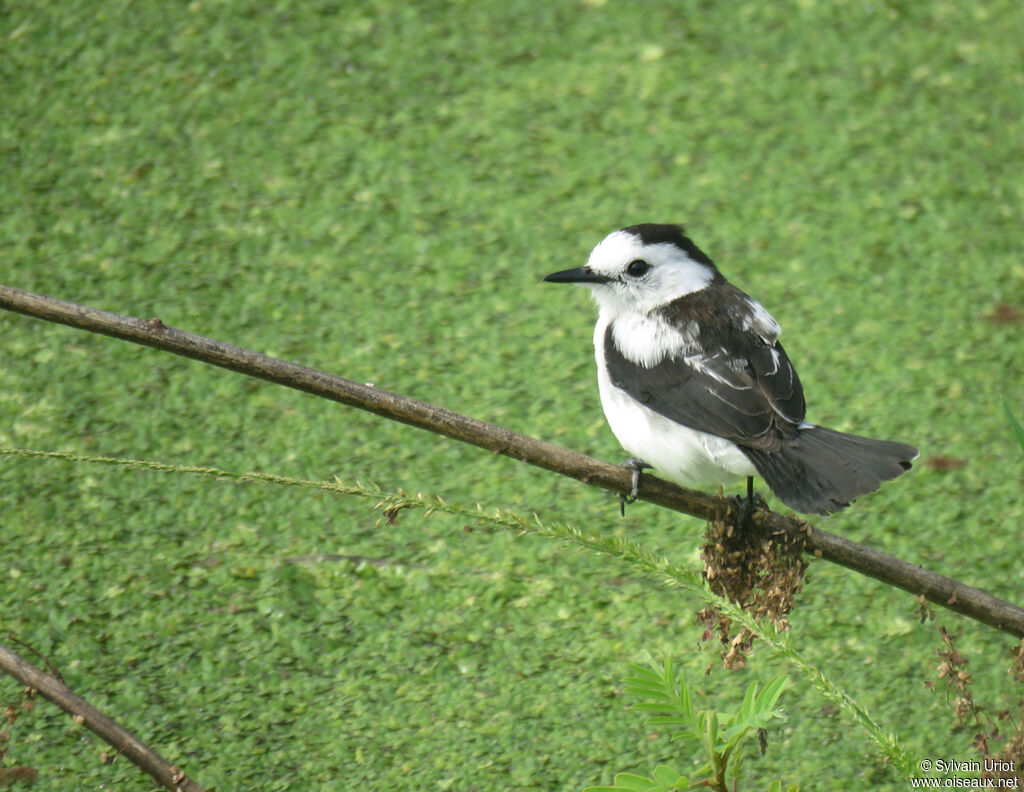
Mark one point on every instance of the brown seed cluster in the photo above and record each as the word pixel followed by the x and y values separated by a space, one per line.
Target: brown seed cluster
pixel 1006 764
pixel 760 571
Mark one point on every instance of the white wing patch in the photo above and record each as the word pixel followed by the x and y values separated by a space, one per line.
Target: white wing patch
pixel 761 322
pixel 699 363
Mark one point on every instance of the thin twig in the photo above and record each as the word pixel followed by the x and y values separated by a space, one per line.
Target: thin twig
pixel 944 591
pixel 122 740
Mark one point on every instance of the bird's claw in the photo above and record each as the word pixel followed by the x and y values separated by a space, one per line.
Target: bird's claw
pixel 635 466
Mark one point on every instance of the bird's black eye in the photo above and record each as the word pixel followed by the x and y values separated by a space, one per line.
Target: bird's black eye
pixel 637 267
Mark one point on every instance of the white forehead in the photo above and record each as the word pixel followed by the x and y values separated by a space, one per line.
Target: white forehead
pixel 672 274
pixel 616 250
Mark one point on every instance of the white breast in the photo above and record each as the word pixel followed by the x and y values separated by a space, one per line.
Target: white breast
pixel 683 455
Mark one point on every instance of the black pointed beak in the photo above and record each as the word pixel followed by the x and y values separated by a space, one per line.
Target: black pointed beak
pixel 576 275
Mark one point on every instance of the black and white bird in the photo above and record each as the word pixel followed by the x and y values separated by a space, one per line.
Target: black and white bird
pixel 695 383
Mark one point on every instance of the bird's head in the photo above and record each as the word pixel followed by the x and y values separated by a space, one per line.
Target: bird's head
pixel 642 267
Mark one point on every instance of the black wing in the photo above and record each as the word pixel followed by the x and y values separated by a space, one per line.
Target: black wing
pixel 742 387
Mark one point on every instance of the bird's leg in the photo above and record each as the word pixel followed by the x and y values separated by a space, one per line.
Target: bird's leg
pixel 635 465
pixel 745 520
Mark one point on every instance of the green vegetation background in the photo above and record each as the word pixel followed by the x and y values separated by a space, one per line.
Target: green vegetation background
pixel 376 189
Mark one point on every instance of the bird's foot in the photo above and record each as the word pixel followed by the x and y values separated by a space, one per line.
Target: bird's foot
pixel 636 466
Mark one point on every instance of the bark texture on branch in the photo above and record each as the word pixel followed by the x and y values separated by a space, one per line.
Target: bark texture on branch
pixel 938 589
pixel 115 735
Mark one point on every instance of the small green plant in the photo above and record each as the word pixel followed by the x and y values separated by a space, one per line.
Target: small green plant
pixel 1018 430
pixel 719 736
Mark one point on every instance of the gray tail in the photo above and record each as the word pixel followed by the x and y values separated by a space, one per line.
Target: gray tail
pixel 819 471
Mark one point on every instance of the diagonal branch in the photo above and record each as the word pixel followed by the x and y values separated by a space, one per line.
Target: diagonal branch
pixel 944 591
pixel 106 727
